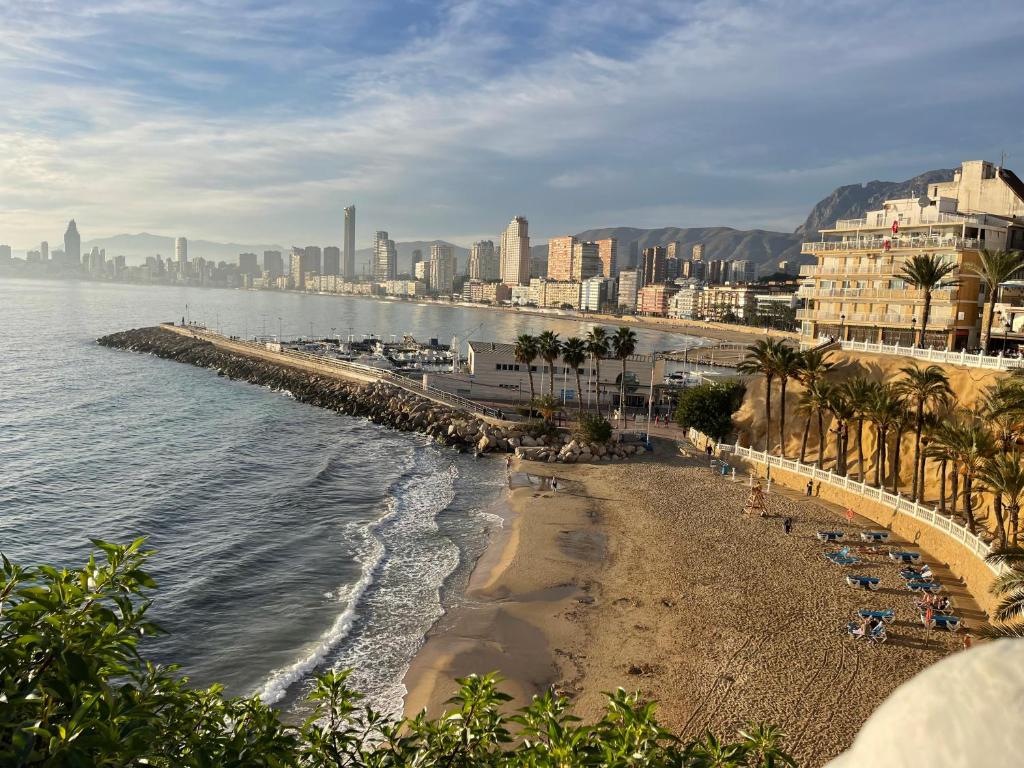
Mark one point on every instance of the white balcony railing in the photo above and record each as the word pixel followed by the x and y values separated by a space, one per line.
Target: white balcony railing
pixel 888 294
pixel 895 242
pixel 884 221
pixel 988 362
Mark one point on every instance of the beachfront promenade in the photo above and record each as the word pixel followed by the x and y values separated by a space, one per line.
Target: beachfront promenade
pixel 944 538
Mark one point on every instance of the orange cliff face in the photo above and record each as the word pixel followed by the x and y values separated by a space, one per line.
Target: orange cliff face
pixel 968 385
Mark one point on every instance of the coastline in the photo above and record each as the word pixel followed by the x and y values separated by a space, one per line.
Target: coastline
pixel 645 575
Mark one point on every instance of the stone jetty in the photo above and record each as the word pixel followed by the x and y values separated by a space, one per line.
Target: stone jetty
pixel 378 401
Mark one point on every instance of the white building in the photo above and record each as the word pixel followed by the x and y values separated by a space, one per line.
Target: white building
pixel 483 263
pixel 441 272
pixel 597 294
pixel 515 252
pixel 385 258
pixel 686 304
pixel 180 250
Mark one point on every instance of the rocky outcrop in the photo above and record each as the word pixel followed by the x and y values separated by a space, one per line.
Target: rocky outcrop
pixel 380 402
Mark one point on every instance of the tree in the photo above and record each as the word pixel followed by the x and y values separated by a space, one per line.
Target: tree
pixel 708 408
pixel 623 343
pixel 926 272
pixel 77 690
pixel 815 401
pixel 858 392
pixel 883 409
pixel 574 354
pixel 814 366
pixel 843 413
pixel 760 361
pixel 787 366
pixel 597 346
pixel 995 268
pixel 900 425
pixel 1003 476
pixel 1009 587
pixel 922 389
pixel 549 348
pixel 972 445
pixel 526 353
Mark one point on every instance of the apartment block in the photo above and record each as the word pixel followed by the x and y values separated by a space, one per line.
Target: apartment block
pixel 654 299
pixel 608 255
pixel 629 284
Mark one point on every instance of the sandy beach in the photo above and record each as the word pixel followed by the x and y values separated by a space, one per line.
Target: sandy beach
pixel 646 575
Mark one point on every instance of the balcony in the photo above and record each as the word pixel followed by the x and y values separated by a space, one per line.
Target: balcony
pixel 935 321
pixel 884 221
pixel 883 294
pixel 896 242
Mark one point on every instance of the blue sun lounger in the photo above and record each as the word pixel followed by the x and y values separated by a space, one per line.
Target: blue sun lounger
pixel 830 535
pixel 875 635
pixel 905 557
pixel 940 621
pixel 863 582
pixel 874 535
pixel 887 615
pixel 917 574
pixel 924 586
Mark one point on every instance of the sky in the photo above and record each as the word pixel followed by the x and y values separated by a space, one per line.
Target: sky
pixel 257 121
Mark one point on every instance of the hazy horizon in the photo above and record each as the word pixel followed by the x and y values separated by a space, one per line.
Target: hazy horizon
pixel 252 122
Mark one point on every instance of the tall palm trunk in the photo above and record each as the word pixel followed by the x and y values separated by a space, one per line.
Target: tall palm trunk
pixel 622 393
pixel 597 383
pixel 551 378
pixel 767 413
pixel 533 395
pixel 986 337
pixel 880 437
pixel 821 437
pixel 839 448
pixel 579 392
pixel 921 471
pixel 1014 515
pixel 968 501
pixel 860 448
pixel 942 485
pixel 917 449
pixel 783 381
pixel 807 432
pixel 896 461
pixel 925 312
pixel 954 488
pixel 997 508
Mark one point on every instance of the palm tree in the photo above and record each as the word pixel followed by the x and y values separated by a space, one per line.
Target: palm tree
pixel 1003 477
pixel 995 268
pixel 900 425
pixel 973 445
pixel 858 391
pixel 926 273
pixel 942 448
pixel 760 360
pixel 1009 587
pixel 549 348
pixel 526 353
pixel 814 365
pixel 922 389
pixel 1003 407
pixel 814 401
pixel 883 409
pixel 597 346
pixel 843 413
pixel 623 343
pixel 574 353
pixel 787 366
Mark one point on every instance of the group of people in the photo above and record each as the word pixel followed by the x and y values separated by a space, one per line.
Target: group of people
pixel 934 603
pixel 866 626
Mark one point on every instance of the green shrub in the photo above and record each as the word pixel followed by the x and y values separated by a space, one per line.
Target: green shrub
pixel 708 408
pixel 75 691
pixel 594 428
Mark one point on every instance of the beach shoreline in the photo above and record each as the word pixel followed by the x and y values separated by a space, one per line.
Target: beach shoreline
pixel 646 575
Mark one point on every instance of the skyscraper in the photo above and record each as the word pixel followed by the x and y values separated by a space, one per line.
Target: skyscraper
pixel 560 257
pixel 296 271
pixel 273 264
pixel 312 261
pixel 652 267
pixel 348 265
pixel 417 257
pixel 483 265
pixel 608 253
pixel 72 245
pixel 697 253
pixel 441 275
pixel 248 264
pixel 385 258
pixel 5 253
pixel 44 250
pixel 332 261
pixel 515 252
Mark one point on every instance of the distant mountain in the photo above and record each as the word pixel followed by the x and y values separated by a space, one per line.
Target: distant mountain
pixel 365 255
pixel 136 248
pixel 854 200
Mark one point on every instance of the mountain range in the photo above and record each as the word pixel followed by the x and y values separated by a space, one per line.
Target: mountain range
pixel 763 247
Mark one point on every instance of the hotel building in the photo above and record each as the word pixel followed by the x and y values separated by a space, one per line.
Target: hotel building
pixel 571 259
pixel 515 252
pixel 856 290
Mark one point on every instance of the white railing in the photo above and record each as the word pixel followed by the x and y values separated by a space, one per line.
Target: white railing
pixel 884 220
pixel 990 362
pixel 929 515
pixel 890 294
pixel 895 242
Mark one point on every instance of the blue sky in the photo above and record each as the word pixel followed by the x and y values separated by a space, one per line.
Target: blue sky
pixel 259 121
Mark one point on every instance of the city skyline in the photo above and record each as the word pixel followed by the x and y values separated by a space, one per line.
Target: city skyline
pixel 244 122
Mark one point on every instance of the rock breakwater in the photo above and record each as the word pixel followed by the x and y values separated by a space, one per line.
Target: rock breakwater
pixel 380 402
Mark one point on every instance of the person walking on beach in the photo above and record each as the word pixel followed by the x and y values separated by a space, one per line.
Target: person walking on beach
pixel 810 487
pixel 708 449
pixel 787 525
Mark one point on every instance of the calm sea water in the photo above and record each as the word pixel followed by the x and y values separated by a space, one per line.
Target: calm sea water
pixel 289 538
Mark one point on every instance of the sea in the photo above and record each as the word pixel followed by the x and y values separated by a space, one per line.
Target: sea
pixel 288 539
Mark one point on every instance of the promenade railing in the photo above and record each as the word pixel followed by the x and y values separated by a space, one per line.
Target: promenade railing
pixel 928 515
pixel 362 370
pixel 990 362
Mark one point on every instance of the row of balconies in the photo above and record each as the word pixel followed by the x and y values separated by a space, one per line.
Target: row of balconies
pixel 884 221
pixel 935 320
pixel 892 294
pixel 895 242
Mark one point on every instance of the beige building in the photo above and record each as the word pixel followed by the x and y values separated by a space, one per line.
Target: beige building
pixel 856 290
pixel 515 252
pixel 486 292
pixel 494 369
pixel 570 259
pixel 555 293
pixel 483 262
pixel 441 269
pixel 654 299
pixel 410 288
pixel 686 304
pixel 608 255
pixel 721 302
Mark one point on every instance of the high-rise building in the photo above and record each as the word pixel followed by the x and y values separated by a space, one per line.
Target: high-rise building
pixel 332 261
pixel 417 257
pixel 385 258
pixel 675 250
pixel 297 275
pixel 652 267
pixel 607 253
pixel 313 259
pixel 348 265
pixel 248 264
pixel 629 284
pixel 572 260
pixel 697 252
pixel 515 252
pixel 72 245
pixel 180 249
pixel 441 274
pixel 273 264
pixel 5 253
pixel 695 270
pixel 44 251
pixel 743 271
pixel 483 263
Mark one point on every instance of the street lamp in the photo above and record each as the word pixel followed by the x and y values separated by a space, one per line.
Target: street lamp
pixel 913 332
pixel 650 396
pixel 280 330
pixel 842 326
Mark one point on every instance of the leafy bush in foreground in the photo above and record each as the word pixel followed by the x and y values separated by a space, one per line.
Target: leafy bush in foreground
pixel 75 691
pixel 708 408
pixel 594 428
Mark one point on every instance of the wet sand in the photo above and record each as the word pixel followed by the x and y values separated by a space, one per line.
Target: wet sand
pixel 646 575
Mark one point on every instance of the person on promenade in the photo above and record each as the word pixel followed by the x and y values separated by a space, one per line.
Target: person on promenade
pixel 810 487
pixel 708 449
